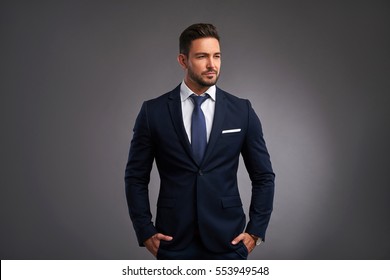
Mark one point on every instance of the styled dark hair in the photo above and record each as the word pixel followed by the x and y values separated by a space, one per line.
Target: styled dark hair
pixel 196 31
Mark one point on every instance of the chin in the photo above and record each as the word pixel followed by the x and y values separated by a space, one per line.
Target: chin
pixel 210 83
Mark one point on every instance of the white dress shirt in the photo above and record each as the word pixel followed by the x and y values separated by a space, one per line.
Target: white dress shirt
pixel 187 106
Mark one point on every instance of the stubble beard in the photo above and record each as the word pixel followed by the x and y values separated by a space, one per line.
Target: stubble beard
pixel 201 80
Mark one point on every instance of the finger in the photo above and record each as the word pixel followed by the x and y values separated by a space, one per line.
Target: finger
pixel 238 239
pixel 161 236
pixel 249 242
pixel 156 242
pixel 151 246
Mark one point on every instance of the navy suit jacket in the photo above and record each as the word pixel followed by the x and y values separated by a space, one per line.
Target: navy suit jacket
pixel 198 197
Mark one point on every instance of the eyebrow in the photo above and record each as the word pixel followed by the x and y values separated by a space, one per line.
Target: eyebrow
pixel 205 53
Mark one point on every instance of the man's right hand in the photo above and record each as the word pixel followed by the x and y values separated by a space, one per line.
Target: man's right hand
pixel 153 243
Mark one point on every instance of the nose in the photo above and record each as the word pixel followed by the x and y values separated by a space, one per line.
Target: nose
pixel 211 63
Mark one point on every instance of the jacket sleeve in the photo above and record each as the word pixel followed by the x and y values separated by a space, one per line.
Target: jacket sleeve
pixel 137 177
pixel 258 165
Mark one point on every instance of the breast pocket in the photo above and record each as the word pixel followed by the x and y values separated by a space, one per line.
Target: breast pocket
pixel 231 132
pixel 231 142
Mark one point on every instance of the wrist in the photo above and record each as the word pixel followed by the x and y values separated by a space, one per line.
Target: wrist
pixel 257 239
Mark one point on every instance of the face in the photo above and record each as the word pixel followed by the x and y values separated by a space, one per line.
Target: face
pixel 202 64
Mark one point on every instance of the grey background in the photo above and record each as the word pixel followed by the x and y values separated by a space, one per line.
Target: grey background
pixel 74 75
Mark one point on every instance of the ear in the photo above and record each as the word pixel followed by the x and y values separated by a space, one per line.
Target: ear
pixel 182 59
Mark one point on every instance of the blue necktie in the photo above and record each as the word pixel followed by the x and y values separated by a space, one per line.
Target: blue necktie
pixel 198 128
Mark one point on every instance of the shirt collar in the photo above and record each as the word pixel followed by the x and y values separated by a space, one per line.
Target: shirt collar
pixel 185 92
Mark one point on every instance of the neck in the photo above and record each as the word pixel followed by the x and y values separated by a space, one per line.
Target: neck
pixel 196 88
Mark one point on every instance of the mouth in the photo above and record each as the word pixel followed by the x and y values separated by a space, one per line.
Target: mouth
pixel 211 73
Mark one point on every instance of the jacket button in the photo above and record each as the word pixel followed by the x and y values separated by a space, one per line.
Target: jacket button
pixel 200 173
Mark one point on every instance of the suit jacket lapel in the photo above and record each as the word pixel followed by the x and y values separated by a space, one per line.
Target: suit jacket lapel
pixel 174 104
pixel 219 116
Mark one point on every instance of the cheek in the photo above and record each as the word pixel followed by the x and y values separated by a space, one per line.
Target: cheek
pixel 197 66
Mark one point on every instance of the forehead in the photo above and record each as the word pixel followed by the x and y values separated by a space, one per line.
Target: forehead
pixel 205 45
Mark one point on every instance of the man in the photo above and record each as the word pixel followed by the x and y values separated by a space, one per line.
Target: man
pixel 196 134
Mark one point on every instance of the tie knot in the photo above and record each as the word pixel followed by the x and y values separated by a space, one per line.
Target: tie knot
pixel 198 100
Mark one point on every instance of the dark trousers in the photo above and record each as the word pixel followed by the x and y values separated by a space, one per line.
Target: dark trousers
pixel 197 251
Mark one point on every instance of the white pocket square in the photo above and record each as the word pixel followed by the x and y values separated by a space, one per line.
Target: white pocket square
pixel 231 130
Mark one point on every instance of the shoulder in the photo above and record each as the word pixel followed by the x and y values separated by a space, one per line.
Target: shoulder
pixel 170 95
pixel 232 99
